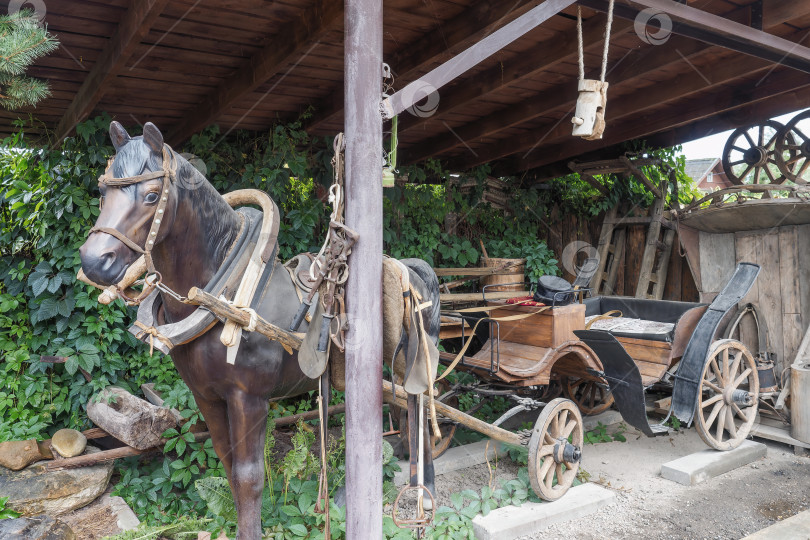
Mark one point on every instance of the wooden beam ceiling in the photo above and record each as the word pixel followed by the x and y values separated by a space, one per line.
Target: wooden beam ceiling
pixel 726 100
pixel 716 30
pixel 474 23
pixel 132 28
pixel 650 59
pixel 289 45
pixel 526 65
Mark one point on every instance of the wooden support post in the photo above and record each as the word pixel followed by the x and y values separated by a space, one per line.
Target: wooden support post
pixel 364 214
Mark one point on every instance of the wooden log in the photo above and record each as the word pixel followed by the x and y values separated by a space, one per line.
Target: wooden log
pixel 131 420
pixel 225 310
pixel 499 434
pixel 88 460
pixel 477 297
pixel 482 271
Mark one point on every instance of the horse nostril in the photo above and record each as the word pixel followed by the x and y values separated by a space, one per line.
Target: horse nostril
pixel 107 260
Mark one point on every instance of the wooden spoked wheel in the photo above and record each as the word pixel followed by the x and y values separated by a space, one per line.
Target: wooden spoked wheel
pixel 446 426
pixel 555 449
pixel 793 149
pixel 553 389
pixel 728 395
pixel 750 155
pixel 592 397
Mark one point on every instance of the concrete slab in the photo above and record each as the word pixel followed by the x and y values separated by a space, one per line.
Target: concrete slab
pixel 460 457
pixel 792 528
pixel 700 466
pixel 514 521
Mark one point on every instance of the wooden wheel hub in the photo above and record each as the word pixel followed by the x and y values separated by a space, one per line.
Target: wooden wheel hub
pixel 756 155
pixel 564 451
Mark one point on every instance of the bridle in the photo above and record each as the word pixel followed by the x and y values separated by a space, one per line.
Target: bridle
pixel 169 174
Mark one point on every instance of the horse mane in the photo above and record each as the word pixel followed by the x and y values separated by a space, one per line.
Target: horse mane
pixel 220 221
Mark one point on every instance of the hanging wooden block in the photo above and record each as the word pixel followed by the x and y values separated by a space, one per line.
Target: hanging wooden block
pixel 589 118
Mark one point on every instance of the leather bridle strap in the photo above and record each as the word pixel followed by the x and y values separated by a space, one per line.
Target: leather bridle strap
pixel 120 236
pixel 168 173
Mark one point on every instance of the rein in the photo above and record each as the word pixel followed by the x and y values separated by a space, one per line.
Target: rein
pixel 169 174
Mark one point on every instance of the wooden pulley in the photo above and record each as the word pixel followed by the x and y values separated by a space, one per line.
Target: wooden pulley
pixel 589 118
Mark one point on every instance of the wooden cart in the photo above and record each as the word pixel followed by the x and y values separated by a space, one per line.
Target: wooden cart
pixel 613 348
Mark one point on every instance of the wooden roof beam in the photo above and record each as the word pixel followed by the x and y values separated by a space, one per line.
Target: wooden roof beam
pixel 650 59
pixel 777 95
pixel 132 28
pixel 524 66
pixel 293 41
pixel 632 104
pixel 475 22
pixel 716 30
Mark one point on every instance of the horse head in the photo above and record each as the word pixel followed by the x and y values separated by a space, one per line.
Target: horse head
pixel 135 196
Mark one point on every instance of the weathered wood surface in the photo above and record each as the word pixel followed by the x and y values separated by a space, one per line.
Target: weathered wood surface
pixel 223 309
pixel 131 420
pixel 396 395
pixel 478 297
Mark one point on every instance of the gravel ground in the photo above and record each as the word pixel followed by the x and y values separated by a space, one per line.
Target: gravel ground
pixel 647 506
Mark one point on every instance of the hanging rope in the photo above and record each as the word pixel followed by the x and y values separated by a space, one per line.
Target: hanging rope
pixel 605 49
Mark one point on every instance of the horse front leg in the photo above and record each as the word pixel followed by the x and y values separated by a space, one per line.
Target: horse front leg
pixel 247 415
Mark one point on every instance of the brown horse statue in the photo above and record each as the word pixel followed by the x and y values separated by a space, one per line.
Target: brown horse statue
pixel 196 231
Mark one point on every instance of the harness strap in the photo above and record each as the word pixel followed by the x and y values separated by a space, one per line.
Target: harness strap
pixel 120 236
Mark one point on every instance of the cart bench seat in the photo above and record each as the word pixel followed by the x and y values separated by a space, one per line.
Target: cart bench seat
pixel 633 328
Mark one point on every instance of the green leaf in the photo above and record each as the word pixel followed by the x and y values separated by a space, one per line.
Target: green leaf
pixel 298 529
pixel 291 510
pixel 217 494
pixel 38 282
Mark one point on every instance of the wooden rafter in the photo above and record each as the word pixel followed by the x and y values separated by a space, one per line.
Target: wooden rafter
pixel 476 21
pixel 650 59
pixel 527 65
pixel 292 42
pixel 713 29
pixel 766 96
pixel 132 28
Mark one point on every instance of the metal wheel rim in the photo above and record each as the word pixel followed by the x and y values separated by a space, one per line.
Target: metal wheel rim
pixel 560 418
pixel 590 396
pixel 717 416
pixel 793 150
pixel 745 140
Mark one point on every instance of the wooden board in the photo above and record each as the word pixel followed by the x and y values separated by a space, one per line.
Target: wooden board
pixel 717 257
pixel 550 328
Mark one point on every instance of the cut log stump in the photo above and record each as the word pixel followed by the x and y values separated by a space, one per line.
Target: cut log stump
pixel 129 419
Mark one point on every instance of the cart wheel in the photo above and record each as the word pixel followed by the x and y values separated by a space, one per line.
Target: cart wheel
pixel 728 397
pixel 446 426
pixel 592 397
pixel 553 389
pixel 555 449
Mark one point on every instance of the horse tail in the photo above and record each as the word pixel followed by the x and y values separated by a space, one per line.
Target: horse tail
pixel 428 286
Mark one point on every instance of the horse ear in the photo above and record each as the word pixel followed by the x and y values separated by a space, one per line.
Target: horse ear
pixel 118 135
pixel 153 137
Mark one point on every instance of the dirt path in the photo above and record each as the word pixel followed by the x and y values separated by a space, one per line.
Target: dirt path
pixel 647 506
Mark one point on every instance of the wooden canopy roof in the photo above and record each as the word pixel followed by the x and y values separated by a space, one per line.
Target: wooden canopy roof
pixel 246 64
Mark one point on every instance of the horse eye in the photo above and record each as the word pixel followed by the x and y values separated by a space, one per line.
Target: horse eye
pixel 151 197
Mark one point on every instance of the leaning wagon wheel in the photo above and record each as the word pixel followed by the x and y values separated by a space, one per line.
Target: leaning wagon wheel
pixel 555 449
pixel 728 397
pixel 750 155
pixel 592 397
pixel 793 149
pixel 446 426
